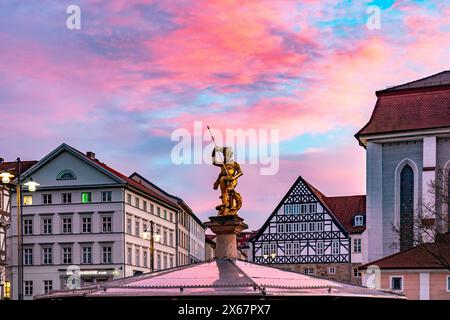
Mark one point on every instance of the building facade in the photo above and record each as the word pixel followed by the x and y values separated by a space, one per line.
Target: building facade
pixel 415 273
pixel 86 224
pixel 407 142
pixel 197 239
pixel 314 234
pixel 190 230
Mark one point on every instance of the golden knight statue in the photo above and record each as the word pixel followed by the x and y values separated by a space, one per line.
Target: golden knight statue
pixel 227 181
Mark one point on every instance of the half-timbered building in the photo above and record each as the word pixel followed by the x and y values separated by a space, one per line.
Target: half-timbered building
pixel 312 233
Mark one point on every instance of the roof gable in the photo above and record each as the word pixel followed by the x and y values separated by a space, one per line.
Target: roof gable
pixel 291 196
pixel 64 157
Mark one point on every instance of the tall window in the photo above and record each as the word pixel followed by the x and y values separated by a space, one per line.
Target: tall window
pixel 137 257
pixel 144 205
pixel 47 225
pixel 48 286
pixel 136 202
pixel 296 248
pixel 107 224
pixel 129 254
pixel 406 207
pixel 28 288
pixel 319 248
pixel 357 245
pixel 448 204
pixel 86 255
pixel 86 224
pixel 137 228
pixel 145 258
pixel 67 225
pixel 67 255
pixel 107 254
pixel 288 249
pixel 335 247
pixel 47 255
pixel 28 226
pixel 28 256
pixel 129 225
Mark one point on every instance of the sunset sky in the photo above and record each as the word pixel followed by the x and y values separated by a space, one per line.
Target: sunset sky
pixel 139 69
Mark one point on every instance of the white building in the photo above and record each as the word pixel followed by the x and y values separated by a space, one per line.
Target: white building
pixel 89 219
pixel 191 231
pixel 197 239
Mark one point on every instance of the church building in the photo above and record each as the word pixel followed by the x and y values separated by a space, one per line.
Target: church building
pixel 407 142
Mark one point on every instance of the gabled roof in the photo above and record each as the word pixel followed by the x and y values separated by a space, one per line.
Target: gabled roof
pixel 340 217
pixel 221 277
pixel 423 256
pixel 345 208
pixel 176 200
pixel 418 105
pixel 114 174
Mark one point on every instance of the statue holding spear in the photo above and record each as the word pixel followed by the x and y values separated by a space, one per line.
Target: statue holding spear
pixel 227 180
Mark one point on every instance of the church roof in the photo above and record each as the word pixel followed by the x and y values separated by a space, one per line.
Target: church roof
pixel 417 105
pixel 220 277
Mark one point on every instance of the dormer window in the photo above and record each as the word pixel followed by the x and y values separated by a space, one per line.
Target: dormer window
pixel 66 174
pixel 358 220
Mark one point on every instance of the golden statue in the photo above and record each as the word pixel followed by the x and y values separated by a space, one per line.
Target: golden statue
pixel 227 181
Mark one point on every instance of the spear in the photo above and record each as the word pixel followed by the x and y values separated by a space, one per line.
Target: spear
pixel 223 160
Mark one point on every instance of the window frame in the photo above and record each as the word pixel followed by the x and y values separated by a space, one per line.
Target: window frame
pixel 47 198
pixel 89 197
pixel 66 198
pixel 106 196
pixel 402 283
pixel 46 226
pixel 83 254
pixel 47 257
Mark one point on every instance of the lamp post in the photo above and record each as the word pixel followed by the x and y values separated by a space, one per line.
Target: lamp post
pixel 152 237
pixel 6 179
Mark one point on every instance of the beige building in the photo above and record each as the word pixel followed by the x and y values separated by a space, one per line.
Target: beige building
pixel 420 273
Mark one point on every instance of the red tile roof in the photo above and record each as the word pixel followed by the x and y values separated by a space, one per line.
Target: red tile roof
pixel 345 208
pixel 422 104
pixel 423 256
pixel 12 167
pixel 139 186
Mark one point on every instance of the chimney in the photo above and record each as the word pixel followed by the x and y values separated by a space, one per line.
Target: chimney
pixel 90 155
pixel 226 228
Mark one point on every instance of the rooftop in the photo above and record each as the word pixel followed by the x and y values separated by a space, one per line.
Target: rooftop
pixel 221 277
pixel 417 105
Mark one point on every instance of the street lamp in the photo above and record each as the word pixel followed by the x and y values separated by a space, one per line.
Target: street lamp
pixel 31 185
pixel 149 235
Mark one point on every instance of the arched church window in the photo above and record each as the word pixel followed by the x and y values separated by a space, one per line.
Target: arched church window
pixel 448 201
pixel 406 207
pixel 66 174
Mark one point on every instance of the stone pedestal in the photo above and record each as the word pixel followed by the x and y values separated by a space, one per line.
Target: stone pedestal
pixel 226 228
